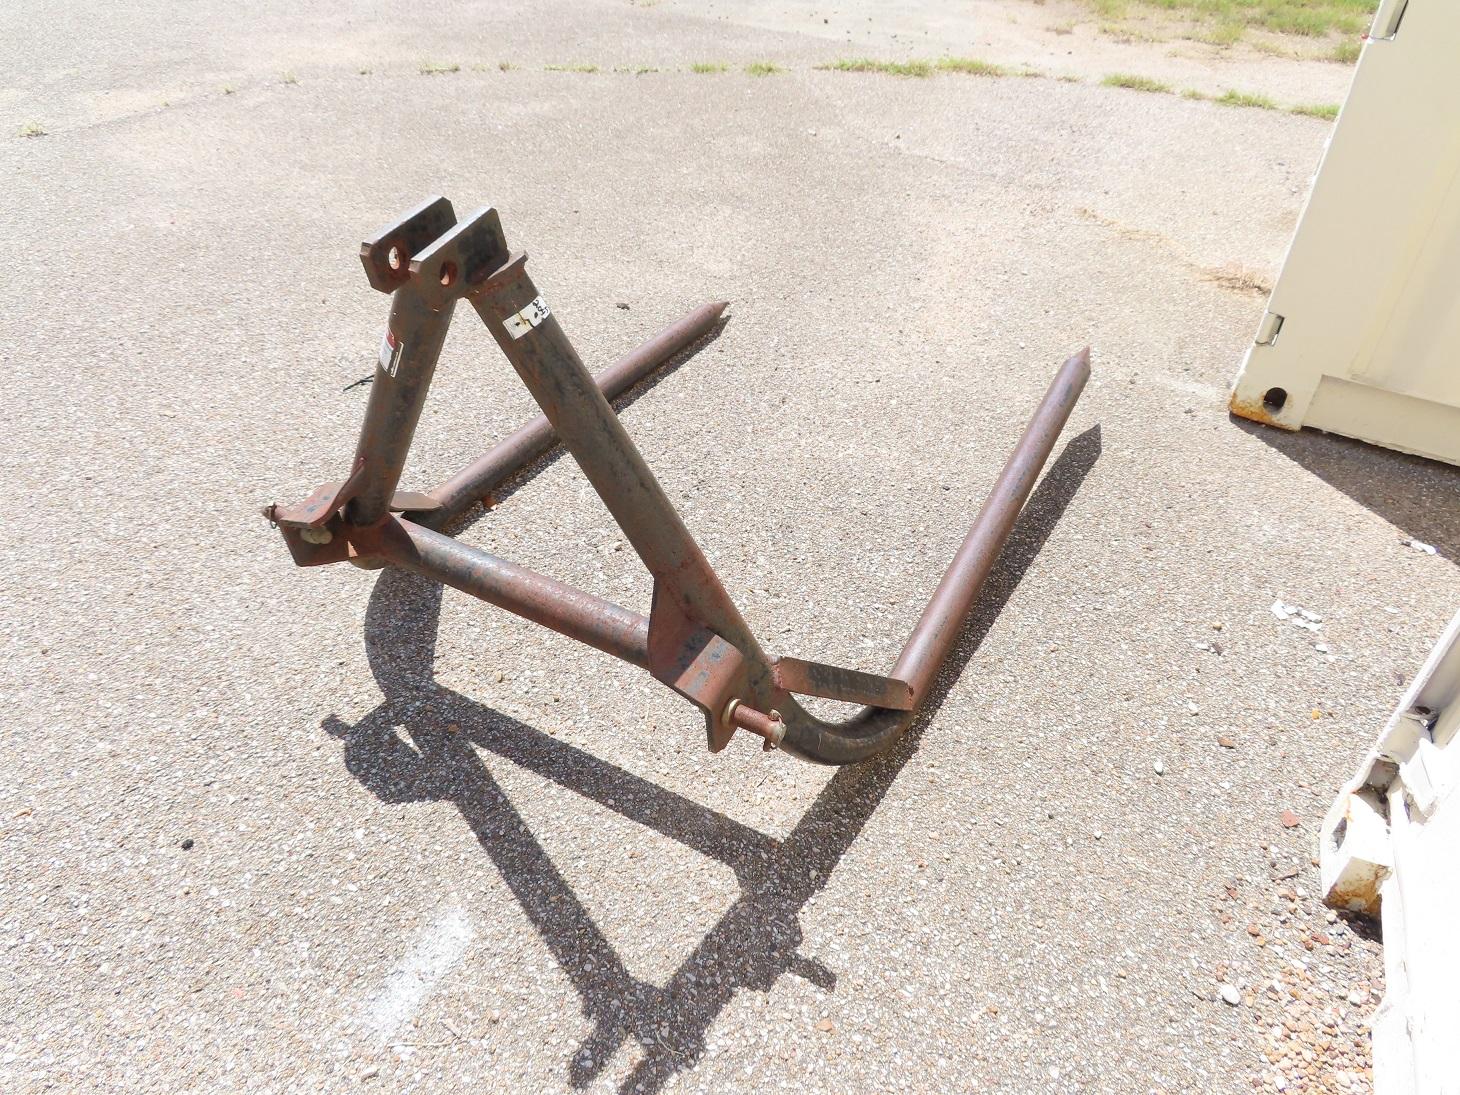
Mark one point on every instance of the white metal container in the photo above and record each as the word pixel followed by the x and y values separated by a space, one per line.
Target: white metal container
pixel 1362 332
pixel 1390 848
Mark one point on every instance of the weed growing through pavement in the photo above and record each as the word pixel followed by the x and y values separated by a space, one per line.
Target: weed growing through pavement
pixel 970 66
pixel 887 68
pixel 1326 111
pixel 1135 83
pixel 963 66
pixel 1246 98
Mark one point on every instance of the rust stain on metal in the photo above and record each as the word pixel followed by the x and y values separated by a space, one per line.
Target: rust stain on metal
pixel 1361 897
pixel 1256 411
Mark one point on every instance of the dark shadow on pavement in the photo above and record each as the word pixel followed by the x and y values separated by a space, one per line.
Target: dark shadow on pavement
pixel 1419 496
pixel 452 738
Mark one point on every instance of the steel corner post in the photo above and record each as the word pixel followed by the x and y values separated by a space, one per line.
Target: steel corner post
pixel 694 639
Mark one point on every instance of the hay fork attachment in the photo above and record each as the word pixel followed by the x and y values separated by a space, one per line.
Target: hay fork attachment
pixel 694 639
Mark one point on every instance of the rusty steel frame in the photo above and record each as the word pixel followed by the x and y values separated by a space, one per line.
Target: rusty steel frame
pixel 694 639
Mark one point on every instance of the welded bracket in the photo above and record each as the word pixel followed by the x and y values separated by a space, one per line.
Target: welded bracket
pixel 832 682
pixel 329 498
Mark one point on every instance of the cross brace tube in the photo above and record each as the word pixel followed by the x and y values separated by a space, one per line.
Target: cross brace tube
pixel 476 481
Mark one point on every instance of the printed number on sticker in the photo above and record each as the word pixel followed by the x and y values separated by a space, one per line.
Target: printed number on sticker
pixel 520 323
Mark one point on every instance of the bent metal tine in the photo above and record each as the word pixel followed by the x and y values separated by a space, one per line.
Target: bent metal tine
pixel 477 480
pixel 873 729
pixel 942 620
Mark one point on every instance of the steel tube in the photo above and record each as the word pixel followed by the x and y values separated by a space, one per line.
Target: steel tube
pixel 402 376
pixel 609 627
pixel 936 631
pixel 503 460
pixel 874 729
pixel 597 440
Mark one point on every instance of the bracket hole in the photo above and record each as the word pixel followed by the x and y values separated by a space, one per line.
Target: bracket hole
pixel 395 258
pixel 448 273
pixel 1274 399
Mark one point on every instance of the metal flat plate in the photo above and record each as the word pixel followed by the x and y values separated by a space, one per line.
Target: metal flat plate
pixel 831 682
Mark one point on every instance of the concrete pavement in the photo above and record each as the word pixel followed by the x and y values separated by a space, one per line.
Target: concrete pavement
pixel 264 829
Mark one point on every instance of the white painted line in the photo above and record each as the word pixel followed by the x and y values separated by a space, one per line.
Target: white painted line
pixel 435 950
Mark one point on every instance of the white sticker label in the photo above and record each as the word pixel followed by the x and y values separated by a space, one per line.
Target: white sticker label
pixel 390 351
pixel 525 320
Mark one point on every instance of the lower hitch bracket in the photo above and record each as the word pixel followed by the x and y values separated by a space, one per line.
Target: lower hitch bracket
pixel 694 639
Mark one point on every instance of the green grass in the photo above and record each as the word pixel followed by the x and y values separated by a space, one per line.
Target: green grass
pixel 965 66
pixel 32 129
pixel 1245 98
pixel 887 68
pixel 708 68
pixel 1135 83
pixel 1231 98
pixel 763 68
pixel 1347 52
pixel 433 68
pixel 290 78
pixel 1275 47
pixel 969 66
pixel 1308 22
pixel 570 68
pixel 1224 22
pixel 505 66
pixel 1223 32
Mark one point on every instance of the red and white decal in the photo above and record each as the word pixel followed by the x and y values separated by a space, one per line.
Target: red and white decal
pixel 390 351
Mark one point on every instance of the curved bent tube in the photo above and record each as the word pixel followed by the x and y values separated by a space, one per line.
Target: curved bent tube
pixel 874 729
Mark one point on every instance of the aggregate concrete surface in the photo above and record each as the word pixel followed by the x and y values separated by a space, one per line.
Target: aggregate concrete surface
pixel 264 829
